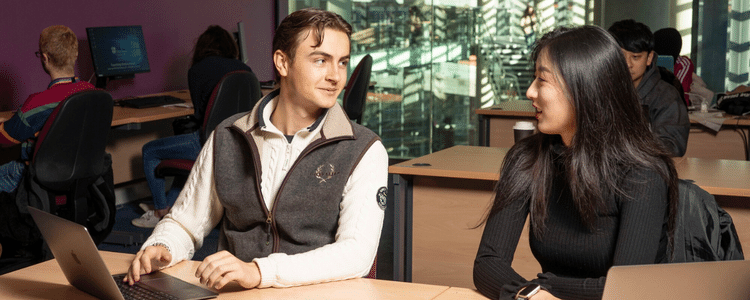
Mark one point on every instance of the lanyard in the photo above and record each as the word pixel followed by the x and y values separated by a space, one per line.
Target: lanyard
pixel 62 80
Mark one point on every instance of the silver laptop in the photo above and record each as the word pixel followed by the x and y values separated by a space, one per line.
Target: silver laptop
pixel 697 280
pixel 84 268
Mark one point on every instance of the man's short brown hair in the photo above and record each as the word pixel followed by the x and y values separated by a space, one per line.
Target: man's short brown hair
pixel 61 46
pixel 297 25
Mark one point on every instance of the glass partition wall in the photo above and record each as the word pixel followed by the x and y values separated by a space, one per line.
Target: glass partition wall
pixel 720 42
pixel 436 62
pixel 738 48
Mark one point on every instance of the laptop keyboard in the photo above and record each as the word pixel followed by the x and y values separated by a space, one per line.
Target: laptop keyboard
pixel 150 101
pixel 138 292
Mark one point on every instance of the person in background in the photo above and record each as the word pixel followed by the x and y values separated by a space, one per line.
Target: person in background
pixel 666 110
pixel 668 41
pixel 58 52
pixel 416 34
pixel 214 56
pixel 298 188
pixel 598 188
pixel 529 25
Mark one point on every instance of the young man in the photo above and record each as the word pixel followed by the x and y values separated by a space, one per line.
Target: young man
pixel 666 111
pixel 299 189
pixel 58 51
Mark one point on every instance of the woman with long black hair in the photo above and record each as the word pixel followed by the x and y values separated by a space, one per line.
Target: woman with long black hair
pixel 215 55
pixel 598 188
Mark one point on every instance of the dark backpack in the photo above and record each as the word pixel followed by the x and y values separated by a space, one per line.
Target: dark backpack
pixel 704 231
pixel 734 104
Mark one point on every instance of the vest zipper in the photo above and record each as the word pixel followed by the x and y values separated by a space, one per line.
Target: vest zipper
pixel 275 247
pixel 269 221
pixel 271 228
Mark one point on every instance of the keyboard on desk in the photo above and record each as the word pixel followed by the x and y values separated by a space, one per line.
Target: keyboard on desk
pixel 149 101
pixel 139 292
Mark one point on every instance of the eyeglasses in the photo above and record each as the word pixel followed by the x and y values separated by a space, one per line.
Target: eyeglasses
pixel 38 54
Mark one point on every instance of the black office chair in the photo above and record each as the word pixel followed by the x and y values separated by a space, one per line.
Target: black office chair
pixel 236 92
pixel 70 164
pixel 355 96
pixel 70 173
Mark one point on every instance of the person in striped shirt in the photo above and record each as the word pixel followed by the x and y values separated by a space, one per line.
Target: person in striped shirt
pixel 58 51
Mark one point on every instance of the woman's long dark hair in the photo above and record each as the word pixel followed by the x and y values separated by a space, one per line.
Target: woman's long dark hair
pixel 612 135
pixel 215 41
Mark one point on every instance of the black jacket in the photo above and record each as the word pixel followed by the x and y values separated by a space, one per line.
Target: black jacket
pixel 704 231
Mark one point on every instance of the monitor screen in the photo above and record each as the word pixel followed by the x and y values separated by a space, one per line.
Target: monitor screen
pixel 240 38
pixel 118 50
pixel 666 61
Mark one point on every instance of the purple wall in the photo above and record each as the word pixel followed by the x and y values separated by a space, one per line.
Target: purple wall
pixel 170 28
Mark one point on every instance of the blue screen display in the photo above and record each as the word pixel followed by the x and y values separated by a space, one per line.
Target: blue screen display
pixel 118 50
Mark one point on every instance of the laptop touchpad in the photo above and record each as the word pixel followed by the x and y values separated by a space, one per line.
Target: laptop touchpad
pixel 175 286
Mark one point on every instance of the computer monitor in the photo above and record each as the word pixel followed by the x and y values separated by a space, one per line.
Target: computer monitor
pixel 666 61
pixel 117 52
pixel 239 36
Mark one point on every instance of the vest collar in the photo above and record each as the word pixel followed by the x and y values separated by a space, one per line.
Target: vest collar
pixel 336 123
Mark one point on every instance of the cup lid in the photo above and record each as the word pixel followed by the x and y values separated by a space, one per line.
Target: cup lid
pixel 524 125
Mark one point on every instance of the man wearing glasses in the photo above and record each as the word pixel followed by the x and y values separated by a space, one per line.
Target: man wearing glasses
pixel 58 51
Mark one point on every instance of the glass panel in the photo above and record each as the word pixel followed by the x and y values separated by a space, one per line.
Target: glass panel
pixel 436 62
pixel 738 48
pixel 424 94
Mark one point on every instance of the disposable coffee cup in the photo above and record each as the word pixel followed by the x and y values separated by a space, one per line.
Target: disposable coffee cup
pixel 522 129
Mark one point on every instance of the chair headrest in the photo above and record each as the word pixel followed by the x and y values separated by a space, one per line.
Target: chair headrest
pixel 355 95
pixel 236 92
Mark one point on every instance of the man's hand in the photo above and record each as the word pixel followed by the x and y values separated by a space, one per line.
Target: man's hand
pixel 147 260
pixel 221 268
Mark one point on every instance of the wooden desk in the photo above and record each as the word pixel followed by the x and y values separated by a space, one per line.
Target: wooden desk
pixel 445 200
pixel 459 293
pixel 126 115
pixel 123 142
pixel 46 281
pixel 150 124
pixel 496 122
pixel 134 127
pixel 496 130
pixel 720 177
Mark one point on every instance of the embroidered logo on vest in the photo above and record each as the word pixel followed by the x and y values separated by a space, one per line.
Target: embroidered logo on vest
pixel 325 172
pixel 382 197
